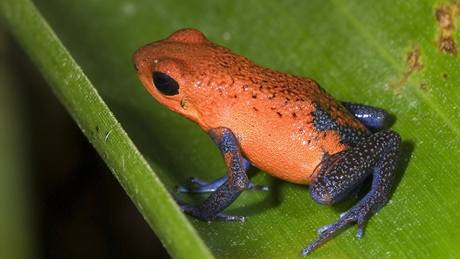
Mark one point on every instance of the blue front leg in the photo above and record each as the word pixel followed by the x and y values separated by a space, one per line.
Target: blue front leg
pixel 235 182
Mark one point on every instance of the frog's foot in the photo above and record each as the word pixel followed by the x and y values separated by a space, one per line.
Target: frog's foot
pixel 359 214
pixel 196 185
pixel 231 187
pixel 339 175
pixel 200 214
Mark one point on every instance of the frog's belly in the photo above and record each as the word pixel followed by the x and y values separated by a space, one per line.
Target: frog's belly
pixel 286 153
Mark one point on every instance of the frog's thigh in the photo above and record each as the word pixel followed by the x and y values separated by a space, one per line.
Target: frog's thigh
pixel 372 117
pixel 376 154
pixel 344 171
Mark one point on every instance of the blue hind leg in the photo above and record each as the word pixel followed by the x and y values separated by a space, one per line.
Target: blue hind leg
pixel 374 156
pixel 373 118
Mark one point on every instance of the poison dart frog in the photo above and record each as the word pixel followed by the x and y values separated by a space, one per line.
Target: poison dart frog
pixel 285 125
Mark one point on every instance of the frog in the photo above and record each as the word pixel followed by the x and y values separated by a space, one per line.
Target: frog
pixel 285 125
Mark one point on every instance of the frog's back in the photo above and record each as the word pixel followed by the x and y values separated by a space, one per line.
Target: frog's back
pixel 283 121
pixel 286 125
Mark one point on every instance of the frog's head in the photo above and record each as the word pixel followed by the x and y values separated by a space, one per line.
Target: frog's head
pixel 167 69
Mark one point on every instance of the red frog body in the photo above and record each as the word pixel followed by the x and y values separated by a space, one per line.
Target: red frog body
pixel 286 125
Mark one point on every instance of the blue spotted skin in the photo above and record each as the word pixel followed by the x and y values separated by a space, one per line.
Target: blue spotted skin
pixel 323 121
pixel 376 155
pixel 370 155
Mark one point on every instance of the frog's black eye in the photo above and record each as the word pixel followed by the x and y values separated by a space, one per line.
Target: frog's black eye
pixel 165 84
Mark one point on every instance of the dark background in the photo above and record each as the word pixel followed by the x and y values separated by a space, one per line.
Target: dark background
pixel 77 208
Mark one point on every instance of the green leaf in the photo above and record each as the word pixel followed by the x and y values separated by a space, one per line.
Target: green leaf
pixel 383 53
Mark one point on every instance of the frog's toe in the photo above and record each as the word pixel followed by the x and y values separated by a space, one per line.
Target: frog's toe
pixel 258 187
pixel 324 228
pixel 201 214
pixel 181 188
pixel 358 215
pixel 226 217
pixel 328 231
pixel 192 210
pixel 197 181
pixel 196 185
pixel 360 231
